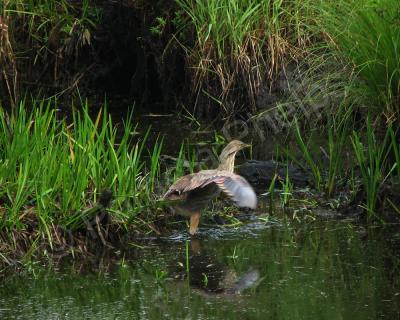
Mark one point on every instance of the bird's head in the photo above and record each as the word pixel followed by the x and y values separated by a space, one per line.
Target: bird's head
pixel 234 146
pixel 229 152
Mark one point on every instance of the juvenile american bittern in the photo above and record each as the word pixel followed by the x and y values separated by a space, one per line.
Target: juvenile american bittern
pixel 196 190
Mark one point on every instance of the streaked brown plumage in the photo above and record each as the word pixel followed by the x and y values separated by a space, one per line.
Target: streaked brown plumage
pixel 196 190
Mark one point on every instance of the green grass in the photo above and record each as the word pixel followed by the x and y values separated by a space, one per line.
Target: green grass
pixel 271 194
pixel 338 137
pixel 47 22
pixel 372 161
pixel 395 145
pixel 309 156
pixel 287 189
pixel 41 39
pixel 247 41
pixel 366 34
pixel 185 162
pixel 345 161
pixel 53 168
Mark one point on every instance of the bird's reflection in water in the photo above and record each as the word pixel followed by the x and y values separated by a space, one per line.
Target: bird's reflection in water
pixel 211 278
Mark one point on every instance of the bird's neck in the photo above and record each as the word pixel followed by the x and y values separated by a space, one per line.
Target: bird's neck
pixel 228 163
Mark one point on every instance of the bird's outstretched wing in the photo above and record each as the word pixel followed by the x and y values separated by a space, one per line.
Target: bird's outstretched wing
pixel 235 186
pixel 238 189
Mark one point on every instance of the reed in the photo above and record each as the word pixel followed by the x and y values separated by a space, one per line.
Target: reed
pixel 247 41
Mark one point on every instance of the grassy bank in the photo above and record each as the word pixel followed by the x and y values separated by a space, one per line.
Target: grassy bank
pixel 242 57
pixel 365 35
pixel 58 173
pixel 241 47
pixel 55 172
pixel 41 44
pixel 70 182
pixel 347 87
pixel 361 164
pixel 356 70
pixel 315 53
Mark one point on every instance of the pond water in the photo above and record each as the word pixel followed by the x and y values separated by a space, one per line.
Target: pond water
pixel 313 269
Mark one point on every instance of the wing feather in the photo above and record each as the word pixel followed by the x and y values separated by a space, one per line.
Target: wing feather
pixel 238 189
pixel 235 186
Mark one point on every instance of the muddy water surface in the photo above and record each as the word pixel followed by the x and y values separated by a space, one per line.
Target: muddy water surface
pixel 311 270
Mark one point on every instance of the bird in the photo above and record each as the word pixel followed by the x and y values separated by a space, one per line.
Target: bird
pixel 195 191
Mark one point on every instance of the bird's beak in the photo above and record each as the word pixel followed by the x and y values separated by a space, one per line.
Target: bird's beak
pixel 245 145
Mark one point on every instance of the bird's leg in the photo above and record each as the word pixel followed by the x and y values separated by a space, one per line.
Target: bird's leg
pixel 194 222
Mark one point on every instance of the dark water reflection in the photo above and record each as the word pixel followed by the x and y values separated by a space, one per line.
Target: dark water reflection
pixel 318 270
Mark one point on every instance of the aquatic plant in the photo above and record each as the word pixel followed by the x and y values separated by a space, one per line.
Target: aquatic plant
pixel 187 258
pixel 372 162
pixel 271 193
pixel 287 188
pixel 325 157
pixel 308 156
pixel 338 130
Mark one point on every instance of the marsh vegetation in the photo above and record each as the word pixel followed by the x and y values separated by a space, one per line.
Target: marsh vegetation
pixel 105 103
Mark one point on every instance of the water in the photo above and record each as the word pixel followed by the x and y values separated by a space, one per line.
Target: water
pixel 307 270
